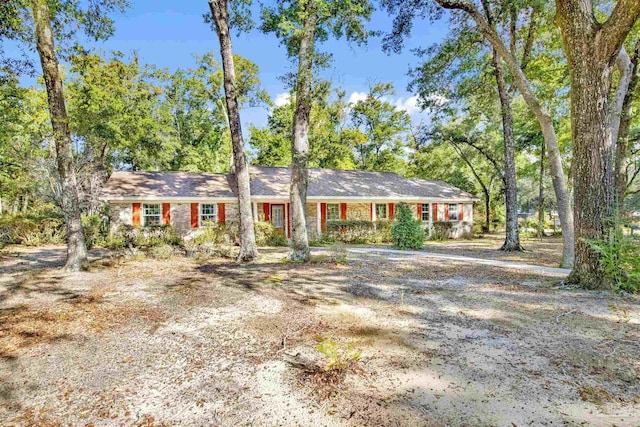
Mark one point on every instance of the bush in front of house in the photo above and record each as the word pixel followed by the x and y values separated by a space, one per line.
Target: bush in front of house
pixel 95 230
pixel 352 231
pixel 406 231
pixel 135 236
pixel 267 235
pixel 441 230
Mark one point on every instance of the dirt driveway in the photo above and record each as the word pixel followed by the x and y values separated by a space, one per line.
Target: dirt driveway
pixel 186 342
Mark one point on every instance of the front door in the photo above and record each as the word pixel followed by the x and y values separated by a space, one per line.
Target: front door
pixel 277 217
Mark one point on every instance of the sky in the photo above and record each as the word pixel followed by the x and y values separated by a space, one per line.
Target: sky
pixel 167 33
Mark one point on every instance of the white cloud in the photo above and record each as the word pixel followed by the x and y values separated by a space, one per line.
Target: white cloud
pixel 410 105
pixel 357 96
pixel 282 99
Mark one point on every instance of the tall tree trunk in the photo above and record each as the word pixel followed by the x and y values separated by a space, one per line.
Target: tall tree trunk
pixel 70 204
pixel 543 117
pixel 622 145
pixel 592 49
pixel 541 194
pixel 512 235
pixel 248 249
pixel 300 144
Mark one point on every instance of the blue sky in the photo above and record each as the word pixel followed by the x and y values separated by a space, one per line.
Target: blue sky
pixel 167 33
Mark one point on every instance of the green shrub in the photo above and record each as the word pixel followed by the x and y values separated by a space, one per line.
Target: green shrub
pixel 441 230
pixel 337 359
pixel 32 230
pixel 95 230
pixel 213 232
pixel 350 231
pixel 620 259
pixel 267 235
pixel 406 232
pixel 134 236
pixel 382 231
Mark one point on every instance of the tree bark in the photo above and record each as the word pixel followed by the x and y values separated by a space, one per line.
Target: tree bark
pixel 248 249
pixel 543 117
pixel 300 144
pixel 70 204
pixel 541 195
pixel 622 145
pixel 592 49
pixel 512 235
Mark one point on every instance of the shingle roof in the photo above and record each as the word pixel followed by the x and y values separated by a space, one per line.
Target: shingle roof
pixel 274 182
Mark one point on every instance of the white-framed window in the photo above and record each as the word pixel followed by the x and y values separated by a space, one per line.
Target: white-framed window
pixel 426 212
pixel 333 211
pixel 453 211
pixel 381 211
pixel 151 214
pixel 208 212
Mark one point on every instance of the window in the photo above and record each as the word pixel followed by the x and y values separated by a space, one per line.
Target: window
pixel 208 212
pixel 425 212
pixel 151 214
pixel 453 212
pixel 333 212
pixel 381 211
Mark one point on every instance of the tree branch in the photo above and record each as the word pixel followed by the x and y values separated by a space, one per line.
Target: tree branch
pixel 615 29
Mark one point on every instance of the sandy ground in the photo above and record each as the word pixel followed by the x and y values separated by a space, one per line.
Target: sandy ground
pixel 546 251
pixel 186 342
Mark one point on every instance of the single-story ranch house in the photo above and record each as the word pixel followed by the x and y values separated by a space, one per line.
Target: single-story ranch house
pixel 186 199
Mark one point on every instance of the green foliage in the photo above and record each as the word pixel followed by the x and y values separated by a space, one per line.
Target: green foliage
pixel 383 126
pixel 620 259
pixel 441 230
pixel 95 230
pixel 267 235
pixel 350 231
pixel 382 231
pixel 213 232
pixel 406 232
pixel 32 230
pixel 337 358
pixel 143 237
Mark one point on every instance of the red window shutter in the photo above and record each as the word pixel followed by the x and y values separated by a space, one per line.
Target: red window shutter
pixel 391 209
pixel 343 211
pixel 135 215
pixel 419 210
pixel 166 213
pixel 323 217
pixel 446 211
pixel 222 217
pixel 435 212
pixel 194 215
pixel 461 212
pixel 370 211
pixel 266 209
pixel 288 220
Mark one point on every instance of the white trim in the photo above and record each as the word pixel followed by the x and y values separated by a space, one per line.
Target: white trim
pixel 319 219
pixel 255 211
pixel 374 214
